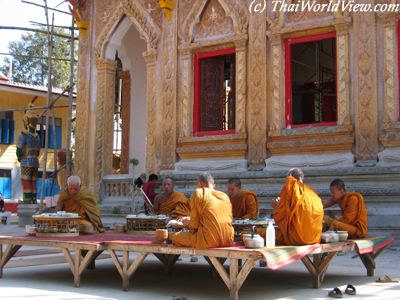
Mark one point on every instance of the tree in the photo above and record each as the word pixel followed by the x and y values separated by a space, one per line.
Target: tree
pixel 29 68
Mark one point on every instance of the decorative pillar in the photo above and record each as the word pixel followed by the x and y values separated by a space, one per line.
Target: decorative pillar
pixel 257 92
pixel 125 115
pixel 152 159
pixel 390 104
pixel 277 112
pixel 343 76
pixel 83 111
pixel 185 104
pixel 169 71
pixel 240 111
pixel 366 133
pixel 104 119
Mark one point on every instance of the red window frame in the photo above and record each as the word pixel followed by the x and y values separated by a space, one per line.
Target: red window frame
pixel 288 77
pixel 197 88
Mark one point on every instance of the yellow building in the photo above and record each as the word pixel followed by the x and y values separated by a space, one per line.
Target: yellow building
pixel 15 97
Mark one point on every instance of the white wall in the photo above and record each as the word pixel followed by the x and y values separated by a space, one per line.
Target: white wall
pixel 134 48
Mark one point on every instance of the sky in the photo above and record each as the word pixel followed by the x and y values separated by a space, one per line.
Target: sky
pixel 19 14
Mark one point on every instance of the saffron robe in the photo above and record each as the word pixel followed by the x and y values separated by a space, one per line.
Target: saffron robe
pixel 245 206
pixel 85 205
pixel 299 214
pixel 210 221
pixel 175 206
pixel 354 216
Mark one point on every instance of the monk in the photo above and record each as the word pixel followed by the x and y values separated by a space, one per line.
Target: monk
pixel 171 203
pixel 149 188
pixel 298 212
pixel 82 201
pixel 244 203
pixel 354 212
pixel 210 219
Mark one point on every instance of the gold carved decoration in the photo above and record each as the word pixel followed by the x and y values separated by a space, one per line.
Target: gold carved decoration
pixel 390 107
pixel 277 112
pixel 169 71
pixel 152 159
pixel 185 91
pixel 298 15
pixel 222 146
pixel 213 23
pixel 104 119
pixel 154 10
pixel 343 75
pixel 366 145
pixel 236 11
pixel 138 15
pixel 308 142
pixel 81 165
pixel 241 64
pixel 256 81
pixel 125 115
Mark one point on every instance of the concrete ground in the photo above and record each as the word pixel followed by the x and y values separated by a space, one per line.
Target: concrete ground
pixel 31 276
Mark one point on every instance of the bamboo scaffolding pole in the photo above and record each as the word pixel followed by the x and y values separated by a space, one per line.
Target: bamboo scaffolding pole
pixel 49 99
pixel 35 30
pixel 71 84
pixel 49 108
pixel 37 57
pixel 34 108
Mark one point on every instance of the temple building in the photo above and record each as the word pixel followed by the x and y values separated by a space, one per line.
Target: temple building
pixel 234 88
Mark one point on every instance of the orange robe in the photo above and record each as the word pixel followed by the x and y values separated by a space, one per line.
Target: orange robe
pixel 175 206
pixel 354 215
pixel 85 205
pixel 245 206
pixel 299 214
pixel 210 221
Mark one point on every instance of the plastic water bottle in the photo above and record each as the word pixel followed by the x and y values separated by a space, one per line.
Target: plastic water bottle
pixel 270 236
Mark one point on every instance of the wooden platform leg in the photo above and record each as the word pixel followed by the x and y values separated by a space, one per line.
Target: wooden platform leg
pixel 368 260
pixel 126 270
pixel 233 284
pixel 78 265
pixel 318 267
pixel 77 278
pixel 235 279
pixel 92 263
pixel 168 260
pixel 7 255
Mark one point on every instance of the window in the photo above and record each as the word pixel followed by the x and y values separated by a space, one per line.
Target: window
pixel 5 183
pixel 311 80
pixel 6 128
pixel 214 92
pixel 41 130
pixel 51 187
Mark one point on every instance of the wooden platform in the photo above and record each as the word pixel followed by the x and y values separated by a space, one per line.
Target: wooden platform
pixel 80 252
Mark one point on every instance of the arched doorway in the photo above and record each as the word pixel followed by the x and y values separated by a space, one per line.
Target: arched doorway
pixel 126 48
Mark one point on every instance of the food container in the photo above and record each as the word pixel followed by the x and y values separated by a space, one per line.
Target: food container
pixel 254 242
pixel 57 224
pixel 329 237
pixel 343 235
pixel 245 236
pixel 30 229
pixel 161 235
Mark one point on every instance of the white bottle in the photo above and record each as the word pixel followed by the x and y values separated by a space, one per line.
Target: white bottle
pixel 270 236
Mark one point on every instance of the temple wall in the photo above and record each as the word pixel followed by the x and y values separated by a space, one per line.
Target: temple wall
pixel 365 139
